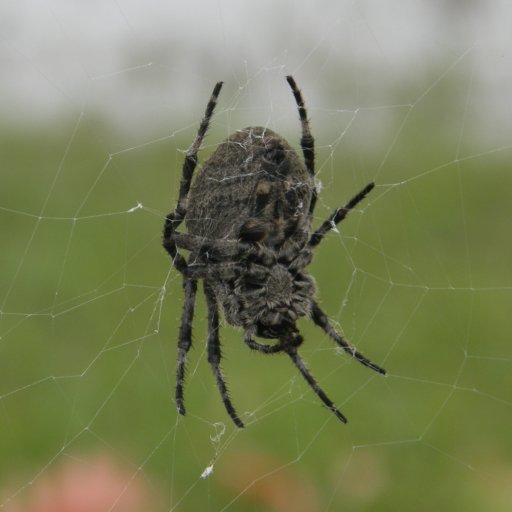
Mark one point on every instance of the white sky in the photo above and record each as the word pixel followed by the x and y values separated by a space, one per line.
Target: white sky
pixel 140 62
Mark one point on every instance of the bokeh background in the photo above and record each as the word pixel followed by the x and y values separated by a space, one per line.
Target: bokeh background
pixel 98 102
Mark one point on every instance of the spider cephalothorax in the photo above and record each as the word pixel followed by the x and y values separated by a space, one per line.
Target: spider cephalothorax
pixel 268 305
pixel 248 215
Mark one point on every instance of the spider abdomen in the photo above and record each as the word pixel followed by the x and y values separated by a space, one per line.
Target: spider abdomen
pixel 253 187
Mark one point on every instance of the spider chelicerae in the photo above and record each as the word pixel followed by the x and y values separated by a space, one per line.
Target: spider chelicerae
pixel 248 214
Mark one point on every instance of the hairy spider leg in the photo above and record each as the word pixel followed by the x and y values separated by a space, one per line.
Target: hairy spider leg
pixel 185 339
pixel 214 352
pixel 299 363
pixel 223 249
pixel 261 347
pixel 208 246
pixel 320 319
pixel 218 271
pixel 174 219
pixel 307 142
pixel 289 345
pixel 338 215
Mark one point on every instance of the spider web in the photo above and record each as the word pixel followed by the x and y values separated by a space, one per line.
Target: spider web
pixel 98 106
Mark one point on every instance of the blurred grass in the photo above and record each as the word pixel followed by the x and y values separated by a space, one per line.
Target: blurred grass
pixel 420 281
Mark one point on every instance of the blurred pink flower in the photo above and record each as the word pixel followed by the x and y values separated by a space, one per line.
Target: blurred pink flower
pixel 80 485
pixel 265 482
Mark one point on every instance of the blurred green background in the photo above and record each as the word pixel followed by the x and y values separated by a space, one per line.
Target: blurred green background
pixel 419 278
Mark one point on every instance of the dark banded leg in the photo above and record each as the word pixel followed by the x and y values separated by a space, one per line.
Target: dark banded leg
pixel 289 345
pixel 307 142
pixel 214 353
pixel 265 349
pixel 185 339
pixel 320 319
pixel 338 215
pixel 174 219
pixel 299 363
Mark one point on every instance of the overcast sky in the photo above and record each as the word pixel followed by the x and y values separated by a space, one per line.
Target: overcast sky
pixel 139 61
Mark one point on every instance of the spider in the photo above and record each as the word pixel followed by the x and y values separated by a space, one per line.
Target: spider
pixel 248 216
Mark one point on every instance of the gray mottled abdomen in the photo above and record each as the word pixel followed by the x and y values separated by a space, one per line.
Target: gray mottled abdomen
pixel 254 174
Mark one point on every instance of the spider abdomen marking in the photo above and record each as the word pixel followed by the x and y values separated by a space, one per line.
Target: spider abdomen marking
pixel 248 213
